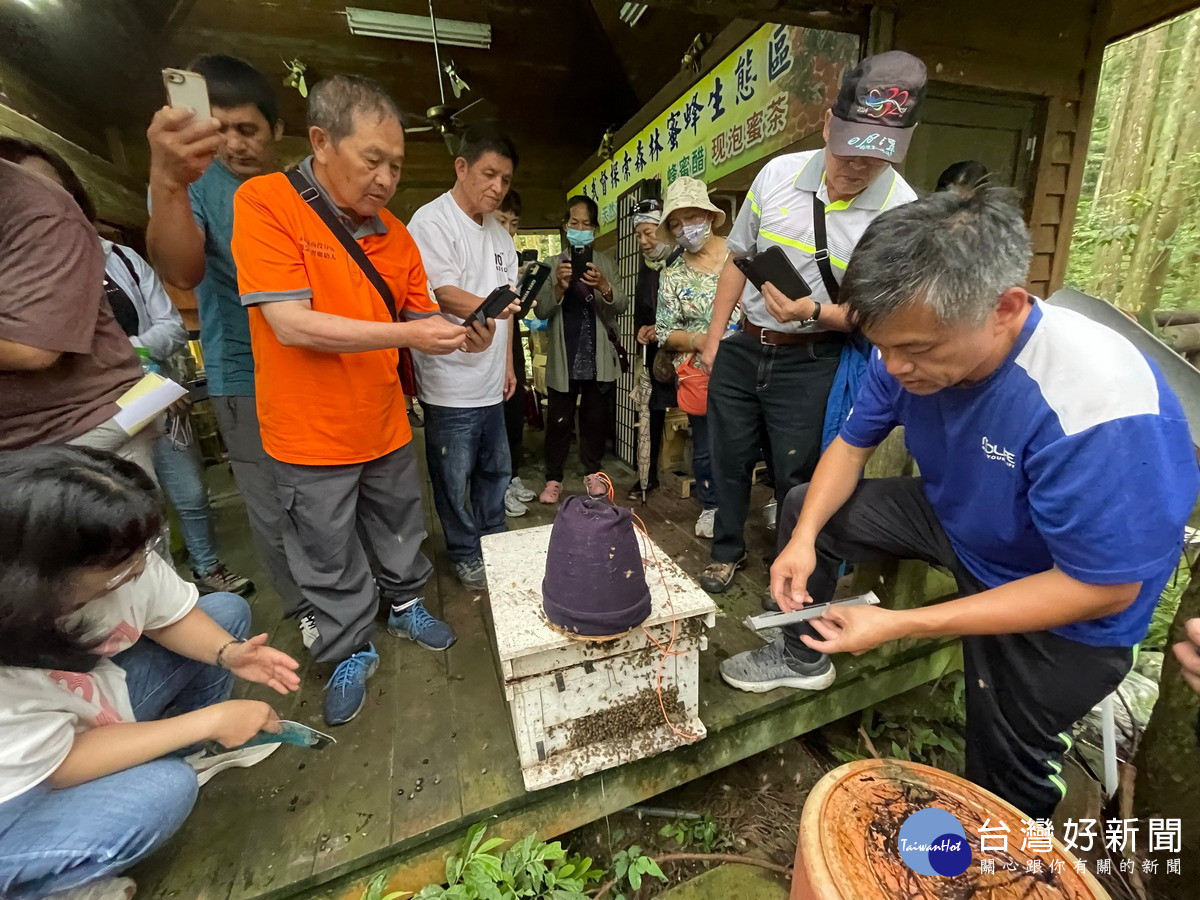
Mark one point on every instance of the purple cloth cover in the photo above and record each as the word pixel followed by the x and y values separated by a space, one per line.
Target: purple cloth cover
pixel 595 583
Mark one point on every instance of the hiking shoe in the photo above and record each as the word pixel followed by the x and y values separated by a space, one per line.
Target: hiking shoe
pixel 219 579
pixel 106 889
pixel 513 507
pixel 705 524
pixel 595 485
pixel 207 764
pixel 771 666
pixel 346 691
pixel 472 574
pixel 308 630
pixel 717 577
pixel 771 513
pixel 551 492
pixel 635 492
pixel 518 489
pixel 415 623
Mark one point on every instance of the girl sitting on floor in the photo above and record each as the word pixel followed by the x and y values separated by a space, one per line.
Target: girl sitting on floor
pixel 99 639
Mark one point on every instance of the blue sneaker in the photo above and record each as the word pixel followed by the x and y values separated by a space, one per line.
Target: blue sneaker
pixel 346 691
pixel 416 624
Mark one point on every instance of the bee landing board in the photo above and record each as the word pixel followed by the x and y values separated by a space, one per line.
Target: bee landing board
pixel 580 707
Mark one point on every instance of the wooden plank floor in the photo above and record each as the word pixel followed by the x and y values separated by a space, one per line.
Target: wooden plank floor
pixel 433 752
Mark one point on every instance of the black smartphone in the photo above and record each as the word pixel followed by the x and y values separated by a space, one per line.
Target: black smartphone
pixel 773 265
pixel 494 304
pixel 528 256
pixel 531 282
pixel 581 257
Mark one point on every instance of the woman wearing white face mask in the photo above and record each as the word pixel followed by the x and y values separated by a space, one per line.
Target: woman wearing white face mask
pixel 685 306
pixel 581 359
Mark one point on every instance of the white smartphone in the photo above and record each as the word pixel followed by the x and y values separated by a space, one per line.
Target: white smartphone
pixel 187 90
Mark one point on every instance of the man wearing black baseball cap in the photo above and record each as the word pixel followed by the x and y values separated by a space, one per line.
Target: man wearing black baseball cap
pixel 772 378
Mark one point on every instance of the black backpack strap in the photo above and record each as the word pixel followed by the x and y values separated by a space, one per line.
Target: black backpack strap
pixel 128 265
pixel 822 250
pixel 310 195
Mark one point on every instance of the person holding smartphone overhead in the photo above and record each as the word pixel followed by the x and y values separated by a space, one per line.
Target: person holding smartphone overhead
pixel 196 166
pixel 770 380
pixel 582 303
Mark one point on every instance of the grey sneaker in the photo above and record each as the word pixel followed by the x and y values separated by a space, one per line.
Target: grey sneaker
pixel 770 667
pixel 219 579
pixel 308 630
pixel 717 577
pixel 706 523
pixel 522 493
pixel 472 574
pixel 513 506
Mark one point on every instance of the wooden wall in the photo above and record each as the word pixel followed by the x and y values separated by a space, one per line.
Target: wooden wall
pixel 1049 50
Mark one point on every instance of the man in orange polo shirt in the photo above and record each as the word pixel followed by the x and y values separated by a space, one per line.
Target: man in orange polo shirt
pixel 330 406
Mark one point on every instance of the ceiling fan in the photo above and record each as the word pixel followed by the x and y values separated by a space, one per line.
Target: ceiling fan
pixel 445 118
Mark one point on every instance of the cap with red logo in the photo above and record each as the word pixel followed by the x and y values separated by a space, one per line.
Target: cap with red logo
pixel 877 106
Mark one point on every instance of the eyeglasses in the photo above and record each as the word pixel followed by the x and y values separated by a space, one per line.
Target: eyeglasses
pixel 151 548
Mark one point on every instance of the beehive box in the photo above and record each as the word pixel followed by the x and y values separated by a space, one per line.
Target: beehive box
pixel 579 707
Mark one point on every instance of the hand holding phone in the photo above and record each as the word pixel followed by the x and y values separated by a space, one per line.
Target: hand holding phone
pixel 581 258
pixel 773 265
pixel 183 139
pixel 187 90
pixel 494 304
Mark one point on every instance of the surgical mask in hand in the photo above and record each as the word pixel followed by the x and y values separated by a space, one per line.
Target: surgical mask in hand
pixel 693 236
pixel 580 237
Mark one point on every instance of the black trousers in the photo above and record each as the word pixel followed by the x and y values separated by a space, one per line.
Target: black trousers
pixel 595 403
pixel 1024 692
pixel 514 406
pixel 764 397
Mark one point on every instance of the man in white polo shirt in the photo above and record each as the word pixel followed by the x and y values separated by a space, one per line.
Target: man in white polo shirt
pixel 771 379
pixel 467 255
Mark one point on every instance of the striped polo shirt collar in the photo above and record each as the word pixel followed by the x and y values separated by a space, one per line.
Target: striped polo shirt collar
pixel 811 177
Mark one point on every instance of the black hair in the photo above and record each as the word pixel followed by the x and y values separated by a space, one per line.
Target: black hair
pixel 61 509
pixel 511 204
pixel 234 82
pixel 585 200
pixel 480 139
pixel 17 150
pixel 963 176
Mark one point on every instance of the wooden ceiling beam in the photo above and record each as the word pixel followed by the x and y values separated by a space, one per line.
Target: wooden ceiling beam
pixel 834 15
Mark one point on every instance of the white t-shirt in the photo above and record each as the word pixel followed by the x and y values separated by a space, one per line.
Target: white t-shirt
pixel 459 252
pixel 42 710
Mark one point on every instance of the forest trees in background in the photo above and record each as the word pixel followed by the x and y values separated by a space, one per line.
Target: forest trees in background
pixel 1137 235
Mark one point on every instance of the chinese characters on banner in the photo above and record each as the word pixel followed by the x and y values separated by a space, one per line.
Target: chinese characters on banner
pixel 1115 841
pixel 770 92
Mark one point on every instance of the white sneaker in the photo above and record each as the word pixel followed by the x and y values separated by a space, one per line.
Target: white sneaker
pixel 518 490
pixel 308 630
pixel 705 524
pixel 107 889
pixel 513 507
pixel 209 764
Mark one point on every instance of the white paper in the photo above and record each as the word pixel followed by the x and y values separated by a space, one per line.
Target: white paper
pixel 136 413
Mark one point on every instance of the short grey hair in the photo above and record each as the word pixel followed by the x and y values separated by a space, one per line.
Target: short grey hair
pixel 335 101
pixel 954 254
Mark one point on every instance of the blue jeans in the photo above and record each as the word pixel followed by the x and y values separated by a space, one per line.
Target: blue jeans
pixel 469 465
pixel 706 491
pixel 181 474
pixel 52 840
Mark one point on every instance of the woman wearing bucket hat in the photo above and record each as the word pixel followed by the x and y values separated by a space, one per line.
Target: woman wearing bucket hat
pixel 685 306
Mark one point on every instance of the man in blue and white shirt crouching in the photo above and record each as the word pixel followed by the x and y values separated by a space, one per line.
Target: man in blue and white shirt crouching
pixel 1057 473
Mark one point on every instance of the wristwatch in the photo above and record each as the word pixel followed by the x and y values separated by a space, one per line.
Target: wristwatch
pixel 812 320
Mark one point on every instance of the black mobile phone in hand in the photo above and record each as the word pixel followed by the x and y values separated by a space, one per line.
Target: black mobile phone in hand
pixel 528 256
pixel 493 304
pixel 581 257
pixel 773 265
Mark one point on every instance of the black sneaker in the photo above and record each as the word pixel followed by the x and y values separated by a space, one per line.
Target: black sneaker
pixel 219 579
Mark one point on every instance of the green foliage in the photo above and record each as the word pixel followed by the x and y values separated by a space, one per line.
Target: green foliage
pixel 630 867
pixel 375 890
pixel 698 834
pixel 529 868
pixel 1168 605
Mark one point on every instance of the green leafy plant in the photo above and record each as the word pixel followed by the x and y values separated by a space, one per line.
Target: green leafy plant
pixel 529 868
pixel 376 887
pixel 630 867
pixel 700 834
